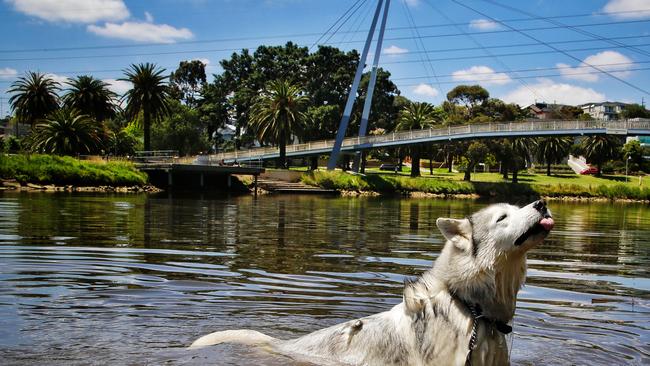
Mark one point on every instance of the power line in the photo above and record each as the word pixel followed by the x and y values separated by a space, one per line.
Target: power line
pixel 508 78
pixel 297 35
pixel 552 47
pixel 50 58
pixel 580 31
pixel 334 24
pixel 343 23
pixel 419 44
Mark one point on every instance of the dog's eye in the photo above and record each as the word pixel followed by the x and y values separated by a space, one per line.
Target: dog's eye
pixel 501 218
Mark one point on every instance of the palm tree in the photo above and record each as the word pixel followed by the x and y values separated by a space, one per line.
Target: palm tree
pixel 92 97
pixel 600 148
pixel 34 97
pixel 416 116
pixel 66 132
pixel 278 113
pixel 522 149
pixel 552 150
pixel 148 96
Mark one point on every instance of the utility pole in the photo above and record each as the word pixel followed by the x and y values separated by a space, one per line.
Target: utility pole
pixel 345 119
pixel 363 126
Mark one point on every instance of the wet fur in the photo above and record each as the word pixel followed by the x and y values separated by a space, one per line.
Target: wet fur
pixel 479 264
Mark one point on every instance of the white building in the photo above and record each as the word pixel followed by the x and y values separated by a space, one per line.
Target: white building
pixel 605 111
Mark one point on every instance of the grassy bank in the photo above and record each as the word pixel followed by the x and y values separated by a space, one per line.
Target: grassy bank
pixel 63 170
pixel 484 184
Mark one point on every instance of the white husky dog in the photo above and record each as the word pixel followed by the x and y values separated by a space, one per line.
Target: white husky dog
pixel 456 313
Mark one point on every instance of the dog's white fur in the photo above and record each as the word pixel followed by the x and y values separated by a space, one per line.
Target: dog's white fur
pixel 479 265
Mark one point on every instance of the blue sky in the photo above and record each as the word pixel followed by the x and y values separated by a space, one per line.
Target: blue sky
pixel 488 42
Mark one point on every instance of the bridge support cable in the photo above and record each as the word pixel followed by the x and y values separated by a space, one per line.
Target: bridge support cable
pixel 345 119
pixel 565 53
pixel 363 126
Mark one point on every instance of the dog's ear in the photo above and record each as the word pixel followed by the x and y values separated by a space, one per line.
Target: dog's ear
pixel 457 231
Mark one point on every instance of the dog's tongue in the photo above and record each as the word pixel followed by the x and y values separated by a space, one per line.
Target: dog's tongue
pixel 547 223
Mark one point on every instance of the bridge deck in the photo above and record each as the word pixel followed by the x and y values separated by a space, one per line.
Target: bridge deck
pixel 451 133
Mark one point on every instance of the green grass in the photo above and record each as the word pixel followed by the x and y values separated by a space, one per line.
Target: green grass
pixel 485 184
pixel 63 170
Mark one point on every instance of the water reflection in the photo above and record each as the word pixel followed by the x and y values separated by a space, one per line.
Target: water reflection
pixel 135 278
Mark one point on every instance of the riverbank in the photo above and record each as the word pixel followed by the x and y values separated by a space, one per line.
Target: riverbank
pixel 63 173
pixel 575 187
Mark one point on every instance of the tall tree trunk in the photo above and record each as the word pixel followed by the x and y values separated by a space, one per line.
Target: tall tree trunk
pixel 346 163
pixel 504 170
pixel 430 160
pixel 362 163
pixel 450 159
pixel 548 168
pixel 415 161
pixel 313 163
pixel 146 122
pixel 515 179
pixel 282 160
pixel 470 166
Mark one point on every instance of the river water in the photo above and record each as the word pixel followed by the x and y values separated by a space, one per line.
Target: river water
pixel 134 279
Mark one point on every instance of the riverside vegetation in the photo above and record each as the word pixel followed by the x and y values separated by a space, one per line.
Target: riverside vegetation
pixel 584 187
pixel 65 170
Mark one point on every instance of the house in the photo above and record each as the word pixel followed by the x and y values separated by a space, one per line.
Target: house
pixel 545 110
pixel 605 111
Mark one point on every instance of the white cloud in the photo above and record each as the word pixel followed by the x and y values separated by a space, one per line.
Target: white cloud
pixel 119 87
pixel 481 74
pixel 425 90
pixel 148 17
pixel 8 73
pixel 62 80
pixel 606 60
pixel 554 92
pixel 394 50
pixel 483 24
pixel 73 11
pixel 142 32
pixel 628 9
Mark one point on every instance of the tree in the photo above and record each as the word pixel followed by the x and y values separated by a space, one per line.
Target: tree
pixel 552 150
pixel 66 132
pixel 475 152
pixel 635 111
pixel 522 150
pixel 187 81
pixel 416 116
pixel 34 97
pixel 121 143
pixel 278 114
pixel 469 95
pixel 600 148
pixel 181 130
pixel 92 97
pixel 633 155
pixel 149 96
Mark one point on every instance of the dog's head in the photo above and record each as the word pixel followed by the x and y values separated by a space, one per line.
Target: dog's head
pixel 499 229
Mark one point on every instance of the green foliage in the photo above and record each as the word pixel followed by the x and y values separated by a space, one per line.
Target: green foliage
pixel 389 183
pixel 600 148
pixel 278 113
pixel 149 96
pixel 62 170
pixel 475 152
pixel 122 143
pixel 66 132
pixel 469 95
pixel 635 111
pixel 633 154
pixel 34 97
pixel 551 150
pixel 187 81
pixel 181 130
pixel 416 116
pixel 92 97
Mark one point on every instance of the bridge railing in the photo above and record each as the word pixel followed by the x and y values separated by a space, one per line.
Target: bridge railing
pixel 437 132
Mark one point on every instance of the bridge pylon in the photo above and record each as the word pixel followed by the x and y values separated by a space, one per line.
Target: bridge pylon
pixel 352 95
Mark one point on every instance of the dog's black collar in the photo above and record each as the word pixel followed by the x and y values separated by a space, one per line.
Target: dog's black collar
pixel 477 314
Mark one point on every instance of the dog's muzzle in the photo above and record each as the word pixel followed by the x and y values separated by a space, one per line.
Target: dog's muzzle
pixel 544 225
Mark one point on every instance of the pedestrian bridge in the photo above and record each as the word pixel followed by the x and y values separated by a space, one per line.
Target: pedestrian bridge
pixel 438 135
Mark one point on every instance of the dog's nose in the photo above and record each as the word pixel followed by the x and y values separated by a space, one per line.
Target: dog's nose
pixel 539 205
